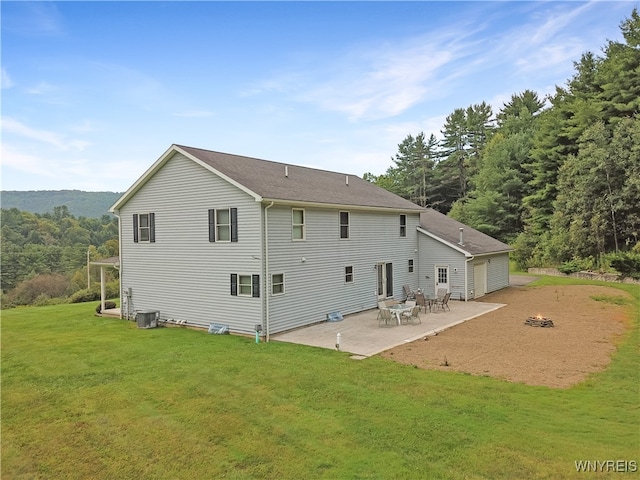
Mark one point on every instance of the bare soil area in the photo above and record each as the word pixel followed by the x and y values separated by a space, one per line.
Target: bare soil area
pixel 499 344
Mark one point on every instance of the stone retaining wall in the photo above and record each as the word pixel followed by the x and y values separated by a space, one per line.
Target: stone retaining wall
pixel 605 277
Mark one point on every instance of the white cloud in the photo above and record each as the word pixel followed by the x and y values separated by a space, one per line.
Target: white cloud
pixel 24 162
pixel 60 141
pixel 42 88
pixel 6 81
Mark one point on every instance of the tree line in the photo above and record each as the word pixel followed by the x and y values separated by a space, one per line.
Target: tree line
pixel 44 256
pixel 558 178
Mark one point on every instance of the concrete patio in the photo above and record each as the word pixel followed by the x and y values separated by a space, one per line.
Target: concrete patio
pixel 361 335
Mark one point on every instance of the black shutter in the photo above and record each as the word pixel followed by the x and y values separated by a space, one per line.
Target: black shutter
pixel 152 227
pixel 212 225
pixel 135 228
pixel 234 224
pixel 234 284
pixel 255 285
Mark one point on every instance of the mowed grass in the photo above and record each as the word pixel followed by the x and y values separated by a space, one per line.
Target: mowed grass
pixel 88 397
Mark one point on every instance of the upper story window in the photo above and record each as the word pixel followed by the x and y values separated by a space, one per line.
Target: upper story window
pixel 297 224
pixel 223 225
pixel 144 227
pixel 344 224
pixel 403 225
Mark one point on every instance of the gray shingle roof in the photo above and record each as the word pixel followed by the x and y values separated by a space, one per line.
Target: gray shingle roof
pixel 448 229
pixel 302 184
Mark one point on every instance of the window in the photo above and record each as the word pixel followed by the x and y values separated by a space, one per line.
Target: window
pixel 223 225
pixel 344 224
pixel 245 285
pixel 297 224
pixel 348 274
pixel 411 265
pixel 277 283
pixel 144 227
pixel 403 225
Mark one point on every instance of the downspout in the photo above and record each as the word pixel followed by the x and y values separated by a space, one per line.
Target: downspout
pixel 117 214
pixel 266 270
pixel 466 277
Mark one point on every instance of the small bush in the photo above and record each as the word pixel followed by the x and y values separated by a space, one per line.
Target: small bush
pixel 111 291
pixel 569 267
pixel 107 305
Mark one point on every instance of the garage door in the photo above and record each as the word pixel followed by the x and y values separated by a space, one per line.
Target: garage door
pixel 479 279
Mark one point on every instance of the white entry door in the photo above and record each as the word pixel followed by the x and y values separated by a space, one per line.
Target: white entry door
pixel 442 277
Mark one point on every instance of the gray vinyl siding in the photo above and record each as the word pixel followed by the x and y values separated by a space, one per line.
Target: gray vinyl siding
pixel 182 274
pixel 497 272
pixel 432 253
pixel 316 286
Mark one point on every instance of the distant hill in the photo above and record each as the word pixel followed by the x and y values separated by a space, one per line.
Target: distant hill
pixel 79 203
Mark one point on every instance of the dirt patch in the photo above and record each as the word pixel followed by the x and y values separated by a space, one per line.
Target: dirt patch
pixel 499 344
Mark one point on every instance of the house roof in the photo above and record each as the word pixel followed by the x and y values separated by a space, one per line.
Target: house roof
pixel 447 230
pixel 284 183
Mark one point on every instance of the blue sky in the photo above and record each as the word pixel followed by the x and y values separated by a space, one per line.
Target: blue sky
pixel 94 92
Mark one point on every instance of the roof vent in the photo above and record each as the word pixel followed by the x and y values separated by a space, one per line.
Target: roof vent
pixel 461 236
pixel 346 180
pixel 286 171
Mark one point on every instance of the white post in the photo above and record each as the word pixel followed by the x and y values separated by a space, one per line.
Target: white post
pixel 88 269
pixel 102 288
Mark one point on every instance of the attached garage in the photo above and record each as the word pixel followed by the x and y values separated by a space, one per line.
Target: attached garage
pixel 455 256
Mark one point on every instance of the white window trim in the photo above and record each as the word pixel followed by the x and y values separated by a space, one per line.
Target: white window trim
pixel 412 265
pixel 303 225
pixel 228 225
pixel 353 277
pixel 348 225
pixel 403 228
pixel 147 228
pixel 250 285
pixel 273 283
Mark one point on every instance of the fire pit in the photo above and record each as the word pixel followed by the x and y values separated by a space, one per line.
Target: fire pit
pixel 539 321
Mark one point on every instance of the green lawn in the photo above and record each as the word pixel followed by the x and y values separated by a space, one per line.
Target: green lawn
pixel 88 397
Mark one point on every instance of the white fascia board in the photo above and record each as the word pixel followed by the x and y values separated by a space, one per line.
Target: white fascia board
pixel 338 206
pixel 497 252
pixel 444 242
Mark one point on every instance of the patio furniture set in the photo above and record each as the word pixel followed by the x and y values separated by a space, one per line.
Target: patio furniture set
pixel 409 310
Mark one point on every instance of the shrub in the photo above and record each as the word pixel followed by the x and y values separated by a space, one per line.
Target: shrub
pixel 569 267
pixel 89 295
pixel 39 288
pixel 627 264
pixel 107 305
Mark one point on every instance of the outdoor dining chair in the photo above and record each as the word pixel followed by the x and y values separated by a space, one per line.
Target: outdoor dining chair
pixel 421 301
pixel 443 302
pixel 408 293
pixel 413 315
pixel 385 315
